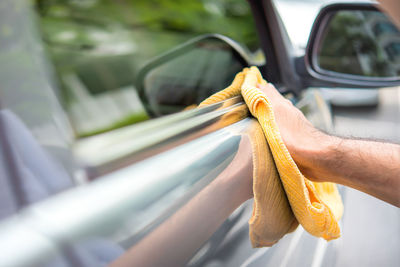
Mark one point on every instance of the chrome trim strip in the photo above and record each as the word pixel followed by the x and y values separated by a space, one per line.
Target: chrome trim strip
pixel 110 151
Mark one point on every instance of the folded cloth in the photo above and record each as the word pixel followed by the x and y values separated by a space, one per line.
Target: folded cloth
pixel 272 216
pixel 316 206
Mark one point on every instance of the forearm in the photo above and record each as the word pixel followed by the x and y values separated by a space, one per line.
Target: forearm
pixel 371 167
pixel 181 235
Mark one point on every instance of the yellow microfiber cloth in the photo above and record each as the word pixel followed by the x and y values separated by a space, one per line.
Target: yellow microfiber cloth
pixel 272 216
pixel 316 206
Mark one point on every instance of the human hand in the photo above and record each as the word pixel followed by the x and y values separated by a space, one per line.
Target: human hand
pixel 368 166
pixel 303 141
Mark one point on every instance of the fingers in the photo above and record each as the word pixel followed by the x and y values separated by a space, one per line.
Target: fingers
pixel 271 92
pixel 273 95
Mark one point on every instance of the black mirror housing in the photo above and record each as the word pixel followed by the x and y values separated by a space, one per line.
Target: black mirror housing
pixel 352 45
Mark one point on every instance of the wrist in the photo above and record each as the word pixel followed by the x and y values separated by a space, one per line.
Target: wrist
pixel 317 157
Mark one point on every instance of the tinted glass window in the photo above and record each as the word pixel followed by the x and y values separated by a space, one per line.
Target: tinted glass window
pixel 384 27
pixel 350 45
pixel 98 47
pixel 393 49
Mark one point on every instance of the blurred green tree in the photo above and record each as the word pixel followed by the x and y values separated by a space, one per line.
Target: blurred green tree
pixel 232 18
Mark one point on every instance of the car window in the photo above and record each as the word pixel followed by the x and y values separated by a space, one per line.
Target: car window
pixel 98 47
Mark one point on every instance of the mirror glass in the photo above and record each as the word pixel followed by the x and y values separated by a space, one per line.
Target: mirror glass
pixel 185 78
pixel 363 43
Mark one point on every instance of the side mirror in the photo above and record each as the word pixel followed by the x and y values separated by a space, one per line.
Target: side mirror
pixel 354 45
pixel 189 73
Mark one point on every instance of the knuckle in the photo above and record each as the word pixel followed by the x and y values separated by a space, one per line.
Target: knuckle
pixel 288 102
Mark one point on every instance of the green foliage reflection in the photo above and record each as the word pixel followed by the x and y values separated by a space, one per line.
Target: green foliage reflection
pixel 351 46
pixel 98 47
